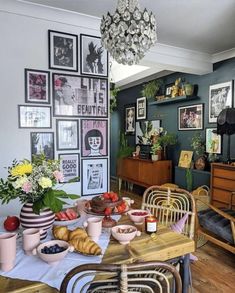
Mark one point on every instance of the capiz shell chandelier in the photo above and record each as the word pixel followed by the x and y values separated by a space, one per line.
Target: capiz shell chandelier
pixel 129 32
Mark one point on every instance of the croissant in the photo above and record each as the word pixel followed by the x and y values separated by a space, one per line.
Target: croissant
pixel 86 246
pixel 61 232
pixel 78 233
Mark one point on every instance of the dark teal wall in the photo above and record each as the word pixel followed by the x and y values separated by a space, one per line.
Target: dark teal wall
pixel 223 71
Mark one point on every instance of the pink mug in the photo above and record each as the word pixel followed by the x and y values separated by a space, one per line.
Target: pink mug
pixel 31 239
pixel 7 251
pixel 94 227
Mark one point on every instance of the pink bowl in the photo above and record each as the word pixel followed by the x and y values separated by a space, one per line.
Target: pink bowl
pixel 124 238
pixel 138 219
pixel 53 259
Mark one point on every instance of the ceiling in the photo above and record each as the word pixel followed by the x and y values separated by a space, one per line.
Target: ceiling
pixel 205 26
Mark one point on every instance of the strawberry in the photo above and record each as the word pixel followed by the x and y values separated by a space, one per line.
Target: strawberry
pixel 108 211
pixel 105 195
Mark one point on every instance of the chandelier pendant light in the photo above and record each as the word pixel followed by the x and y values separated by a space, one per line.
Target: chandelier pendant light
pixel 129 32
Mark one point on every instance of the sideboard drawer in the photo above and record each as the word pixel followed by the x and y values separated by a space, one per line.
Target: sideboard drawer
pixel 223 183
pixel 222 173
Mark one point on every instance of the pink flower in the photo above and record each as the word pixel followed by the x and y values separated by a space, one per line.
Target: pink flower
pixel 58 176
pixel 27 187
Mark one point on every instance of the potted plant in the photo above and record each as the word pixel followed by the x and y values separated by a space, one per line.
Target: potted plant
pixel 124 149
pixel 156 147
pixel 167 139
pixel 113 100
pixel 151 88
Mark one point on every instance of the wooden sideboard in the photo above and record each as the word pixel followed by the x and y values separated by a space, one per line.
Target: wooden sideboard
pixel 144 172
pixel 222 184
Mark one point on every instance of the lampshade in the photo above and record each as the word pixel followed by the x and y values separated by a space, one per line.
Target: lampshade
pixel 129 32
pixel 226 121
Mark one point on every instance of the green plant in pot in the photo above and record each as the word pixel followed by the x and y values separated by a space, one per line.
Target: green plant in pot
pixel 156 147
pixel 124 149
pixel 151 88
pixel 167 139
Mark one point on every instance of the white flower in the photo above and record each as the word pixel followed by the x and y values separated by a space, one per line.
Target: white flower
pixel 45 182
pixel 19 182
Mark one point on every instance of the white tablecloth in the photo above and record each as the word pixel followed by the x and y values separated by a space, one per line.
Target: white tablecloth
pixel 34 269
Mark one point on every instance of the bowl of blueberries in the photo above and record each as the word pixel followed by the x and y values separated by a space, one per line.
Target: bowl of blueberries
pixel 53 251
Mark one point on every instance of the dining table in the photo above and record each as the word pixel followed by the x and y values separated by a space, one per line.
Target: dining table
pixel 31 274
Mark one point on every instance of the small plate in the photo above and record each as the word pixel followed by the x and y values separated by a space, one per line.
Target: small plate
pixel 66 223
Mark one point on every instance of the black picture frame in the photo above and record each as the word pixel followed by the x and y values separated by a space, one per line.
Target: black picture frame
pixel 37 86
pixel 34 116
pixel 191 117
pixel 98 169
pixel 129 119
pixel 93 56
pixel 96 129
pixel 141 108
pixel 67 133
pixel 63 51
pixel 70 166
pixel 79 96
pixel 42 143
pixel 168 88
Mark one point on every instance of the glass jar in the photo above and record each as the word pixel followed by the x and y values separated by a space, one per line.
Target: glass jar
pixel 150 224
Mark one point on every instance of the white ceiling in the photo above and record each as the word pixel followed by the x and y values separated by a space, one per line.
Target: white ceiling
pixel 205 26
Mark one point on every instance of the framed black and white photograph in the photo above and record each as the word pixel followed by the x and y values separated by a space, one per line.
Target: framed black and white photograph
pixel 168 89
pixel 145 130
pixel 94 138
pixel 220 97
pixel 190 117
pixel 79 96
pixel 67 134
pixel 34 116
pixel 42 143
pixel 63 51
pixel 213 141
pixel 94 57
pixel 94 176
pixel 70 167
pixel 141 108
pixel 130 119
pixel 37 86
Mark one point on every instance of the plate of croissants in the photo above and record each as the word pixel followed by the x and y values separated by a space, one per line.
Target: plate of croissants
pixel 66 217
pixel 79 239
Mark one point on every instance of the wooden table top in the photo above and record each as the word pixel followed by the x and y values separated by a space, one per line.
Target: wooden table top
pixel 166 245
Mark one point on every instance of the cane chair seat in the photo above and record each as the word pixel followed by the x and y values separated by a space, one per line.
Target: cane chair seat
pixel 146 277
pixel 170 205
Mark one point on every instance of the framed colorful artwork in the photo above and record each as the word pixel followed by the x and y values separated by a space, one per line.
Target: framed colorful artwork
pixel 185 159
pixel 220 97
pixel 94 138
pixel 42 143
pixel 67 134
pixel 213 141
pixel 94 176
pixel 130 119
pixel 37 86
pixel 63 51
pixel 94 58
pixel 141 108
pixel 70 167
pixel 190 117
pixel 144 130
pixel 79 96
pixel 34 116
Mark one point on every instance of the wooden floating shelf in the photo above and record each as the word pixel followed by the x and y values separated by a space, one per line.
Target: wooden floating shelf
pixel 174 100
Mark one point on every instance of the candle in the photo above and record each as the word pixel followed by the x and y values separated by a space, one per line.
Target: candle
pixel 150 224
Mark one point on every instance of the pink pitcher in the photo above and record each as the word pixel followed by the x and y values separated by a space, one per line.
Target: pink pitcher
pixel 7 251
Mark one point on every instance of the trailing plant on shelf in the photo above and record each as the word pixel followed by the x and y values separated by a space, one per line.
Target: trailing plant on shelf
pixel 151 88
pixel 124 149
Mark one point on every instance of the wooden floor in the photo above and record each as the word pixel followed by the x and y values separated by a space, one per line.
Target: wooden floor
pixel 214 272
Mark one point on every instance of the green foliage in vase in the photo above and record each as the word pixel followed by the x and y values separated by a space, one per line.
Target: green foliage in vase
pixel 151 88
pixel 155 147
pixel 198 144
pixel 124 149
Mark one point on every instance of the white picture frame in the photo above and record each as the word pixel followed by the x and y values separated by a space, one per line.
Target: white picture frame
pixel 70 166
pixel 141 108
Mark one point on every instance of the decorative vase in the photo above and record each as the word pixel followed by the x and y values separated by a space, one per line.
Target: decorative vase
pixel 188 88
pixel 43 221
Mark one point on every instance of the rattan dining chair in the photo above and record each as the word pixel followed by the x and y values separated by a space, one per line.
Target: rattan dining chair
pixel 146 277
pixel 169 205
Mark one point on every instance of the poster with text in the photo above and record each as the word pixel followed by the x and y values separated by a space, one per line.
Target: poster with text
pixel 70 166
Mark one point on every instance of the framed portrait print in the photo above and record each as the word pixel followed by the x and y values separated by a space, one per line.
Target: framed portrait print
pixel 94 57
pixel 34 116
pixel 190 117
pixel 185 159
pixel 94 138
pixel 42 143
pixel 67 134
pixel 37 86
pixel 94 176
pixel 79 96
pixel 63 51
pixel 144 130
pixel 130 119
pixel 70 167
pixel 213 141
pixel 141 108
pixel 220 97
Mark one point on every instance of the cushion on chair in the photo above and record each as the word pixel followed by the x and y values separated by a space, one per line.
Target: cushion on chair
pixel 217 224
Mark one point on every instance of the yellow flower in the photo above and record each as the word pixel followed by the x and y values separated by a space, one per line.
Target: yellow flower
pixel 21 170
pixel 45 182
pixel 19 182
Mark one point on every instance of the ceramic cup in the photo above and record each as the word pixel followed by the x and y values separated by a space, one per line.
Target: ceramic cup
pixel 31 239
pixel 94 227
pixel 7 251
